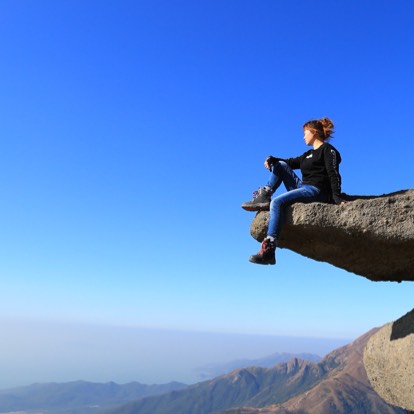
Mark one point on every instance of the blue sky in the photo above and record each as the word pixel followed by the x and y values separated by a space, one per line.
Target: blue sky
pixel 133 130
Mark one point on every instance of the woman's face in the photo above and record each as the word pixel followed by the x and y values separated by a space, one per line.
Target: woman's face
pixel 309 136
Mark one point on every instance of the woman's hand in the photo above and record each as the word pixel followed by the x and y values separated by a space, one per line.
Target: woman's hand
pixel 338 200
pixel 270 161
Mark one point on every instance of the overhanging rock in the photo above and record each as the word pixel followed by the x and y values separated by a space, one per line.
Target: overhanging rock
pixel 369 236
pixel 389 362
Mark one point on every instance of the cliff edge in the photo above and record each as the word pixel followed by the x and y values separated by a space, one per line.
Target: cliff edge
pixel 371 236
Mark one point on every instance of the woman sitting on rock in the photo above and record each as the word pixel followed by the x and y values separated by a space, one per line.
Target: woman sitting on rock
pixel 320 182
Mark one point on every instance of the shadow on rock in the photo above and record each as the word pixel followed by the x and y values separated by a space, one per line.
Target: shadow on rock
pixel 403 327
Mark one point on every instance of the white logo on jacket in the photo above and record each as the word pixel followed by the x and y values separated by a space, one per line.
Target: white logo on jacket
pixel 333 158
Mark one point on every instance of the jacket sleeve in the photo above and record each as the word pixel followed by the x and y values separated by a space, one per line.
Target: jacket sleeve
pixel 294 163
pixel 332 161
pixel 273 160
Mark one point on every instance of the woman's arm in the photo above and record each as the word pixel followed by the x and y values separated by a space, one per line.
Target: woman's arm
pixel 270 161
pixel 293 163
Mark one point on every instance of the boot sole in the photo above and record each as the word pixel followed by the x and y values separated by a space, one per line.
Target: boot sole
pixel 263 207
pixel 262 263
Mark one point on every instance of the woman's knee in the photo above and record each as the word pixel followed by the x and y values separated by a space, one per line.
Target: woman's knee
pixel 276 203
pixel 284 200
pixel 279 165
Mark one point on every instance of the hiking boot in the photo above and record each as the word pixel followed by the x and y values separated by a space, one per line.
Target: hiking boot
pixel 261 200
pixel 266 255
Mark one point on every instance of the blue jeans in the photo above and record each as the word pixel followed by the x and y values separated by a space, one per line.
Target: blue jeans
pixel 297 192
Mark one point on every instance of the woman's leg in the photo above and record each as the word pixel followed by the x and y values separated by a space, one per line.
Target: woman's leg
pixel 282 173
pixel 303 194
pixel 279 173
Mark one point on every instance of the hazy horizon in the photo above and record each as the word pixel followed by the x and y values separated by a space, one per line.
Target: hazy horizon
pixel 46 351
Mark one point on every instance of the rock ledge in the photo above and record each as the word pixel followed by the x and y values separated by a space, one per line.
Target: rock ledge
pixel 369 236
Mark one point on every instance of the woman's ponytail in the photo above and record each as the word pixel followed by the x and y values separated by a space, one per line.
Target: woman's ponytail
pixel 328 127
pixel 324 127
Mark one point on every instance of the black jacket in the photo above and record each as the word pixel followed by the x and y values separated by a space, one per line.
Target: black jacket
pixel 320 168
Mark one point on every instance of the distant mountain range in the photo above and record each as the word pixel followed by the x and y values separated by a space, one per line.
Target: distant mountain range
pixel 337 384
pixel 214 370
pixel 78 397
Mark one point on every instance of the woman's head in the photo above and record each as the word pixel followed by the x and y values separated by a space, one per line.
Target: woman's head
pixel 322 127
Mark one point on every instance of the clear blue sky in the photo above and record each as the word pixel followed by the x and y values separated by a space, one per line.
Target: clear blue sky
pixel 133 130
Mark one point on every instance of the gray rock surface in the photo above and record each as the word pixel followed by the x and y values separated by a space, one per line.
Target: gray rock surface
pixel 389 362
pixel 369 236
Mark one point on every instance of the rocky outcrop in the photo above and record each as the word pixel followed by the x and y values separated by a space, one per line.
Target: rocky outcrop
pixel 369 236
pixel 344 388
pixel 389 362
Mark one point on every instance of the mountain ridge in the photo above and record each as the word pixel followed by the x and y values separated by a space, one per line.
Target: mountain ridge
pixel 336 384
pixel 211 371
pixel 346 389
